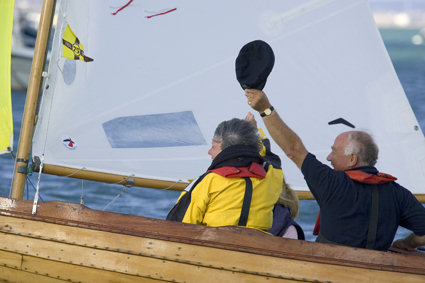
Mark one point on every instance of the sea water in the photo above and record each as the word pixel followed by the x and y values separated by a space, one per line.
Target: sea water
pixel 406 51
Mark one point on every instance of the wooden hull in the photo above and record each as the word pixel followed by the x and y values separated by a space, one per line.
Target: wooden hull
pixel 67 241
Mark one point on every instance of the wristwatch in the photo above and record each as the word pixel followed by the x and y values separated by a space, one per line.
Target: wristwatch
pixel 267 112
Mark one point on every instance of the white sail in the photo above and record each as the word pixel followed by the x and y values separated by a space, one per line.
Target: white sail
pixel 163 77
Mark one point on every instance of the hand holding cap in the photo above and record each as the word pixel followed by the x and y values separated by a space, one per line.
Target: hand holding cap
pixel 254 64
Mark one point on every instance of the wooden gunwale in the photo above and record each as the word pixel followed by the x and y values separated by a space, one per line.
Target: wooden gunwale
pixel 229 238
pixel 42 244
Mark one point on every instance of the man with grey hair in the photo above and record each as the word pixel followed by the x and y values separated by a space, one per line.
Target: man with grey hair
pixel 239 188
pixel 359 206
pixel 359 145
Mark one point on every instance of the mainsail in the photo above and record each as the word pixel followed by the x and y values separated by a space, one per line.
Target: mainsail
pixel 6 121
pixel 162 76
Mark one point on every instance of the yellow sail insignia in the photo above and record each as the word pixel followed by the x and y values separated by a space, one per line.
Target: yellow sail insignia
pixel 72 48
pixel 6 121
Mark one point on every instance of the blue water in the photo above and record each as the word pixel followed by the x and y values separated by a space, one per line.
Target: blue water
pixel 409 63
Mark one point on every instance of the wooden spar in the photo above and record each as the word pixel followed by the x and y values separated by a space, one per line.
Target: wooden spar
pixel 31 103
pixel 143 182
pixel 129 180
pixel 113 178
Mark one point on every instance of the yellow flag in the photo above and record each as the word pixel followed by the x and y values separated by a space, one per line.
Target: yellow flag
pixel 72 48
pixel 6 121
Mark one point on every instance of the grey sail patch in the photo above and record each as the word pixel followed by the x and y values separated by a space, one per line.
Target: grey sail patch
pixel 155 130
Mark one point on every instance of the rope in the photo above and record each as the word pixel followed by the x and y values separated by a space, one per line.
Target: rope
pixel 116 197
pixel 13 176
pixel 172 185
pixel 82 192
pixel 12 153
pixel 31 183
pixel 34 205
pixel 127 185
pixel 76 171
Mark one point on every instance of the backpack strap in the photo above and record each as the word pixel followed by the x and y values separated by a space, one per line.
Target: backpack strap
pixel 373 221
pixel 243 219
pixel 179 209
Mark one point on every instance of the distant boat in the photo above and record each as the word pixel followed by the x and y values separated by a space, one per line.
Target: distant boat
pixel 133 94
pixel 26 20
pixel 21 68
pixel 25 26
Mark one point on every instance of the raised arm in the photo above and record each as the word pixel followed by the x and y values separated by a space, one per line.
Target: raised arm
pixel 287 139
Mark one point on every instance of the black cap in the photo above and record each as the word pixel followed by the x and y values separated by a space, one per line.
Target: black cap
pixel 254 64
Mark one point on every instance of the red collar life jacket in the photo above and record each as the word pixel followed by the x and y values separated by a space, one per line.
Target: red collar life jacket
pixel 367 178
pixel 361 177
pixel 255 170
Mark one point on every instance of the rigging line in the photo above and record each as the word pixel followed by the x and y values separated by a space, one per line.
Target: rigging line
pixel 129 181
pixel 34 205
pixel 13 177
pixel 82 192
pixel 78 170
pixel 172 185
pixel 13 154
pixel 33 187
pixel 27 188
pixel 47 91
pixel 116 197
pixel 299 11
pixel 281 20
pixel 14 173
pixel 127 185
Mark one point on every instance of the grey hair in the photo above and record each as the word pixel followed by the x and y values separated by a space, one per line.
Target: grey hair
pixel 362 144
pixel 237 132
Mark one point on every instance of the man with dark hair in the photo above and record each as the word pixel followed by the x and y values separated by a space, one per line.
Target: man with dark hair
pixel 239 188
pixel 359 206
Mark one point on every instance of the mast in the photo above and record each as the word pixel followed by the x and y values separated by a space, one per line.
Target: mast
pixel 31 103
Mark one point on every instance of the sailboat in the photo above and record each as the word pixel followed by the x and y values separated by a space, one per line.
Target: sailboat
pixel 26 17
pixel 132 94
